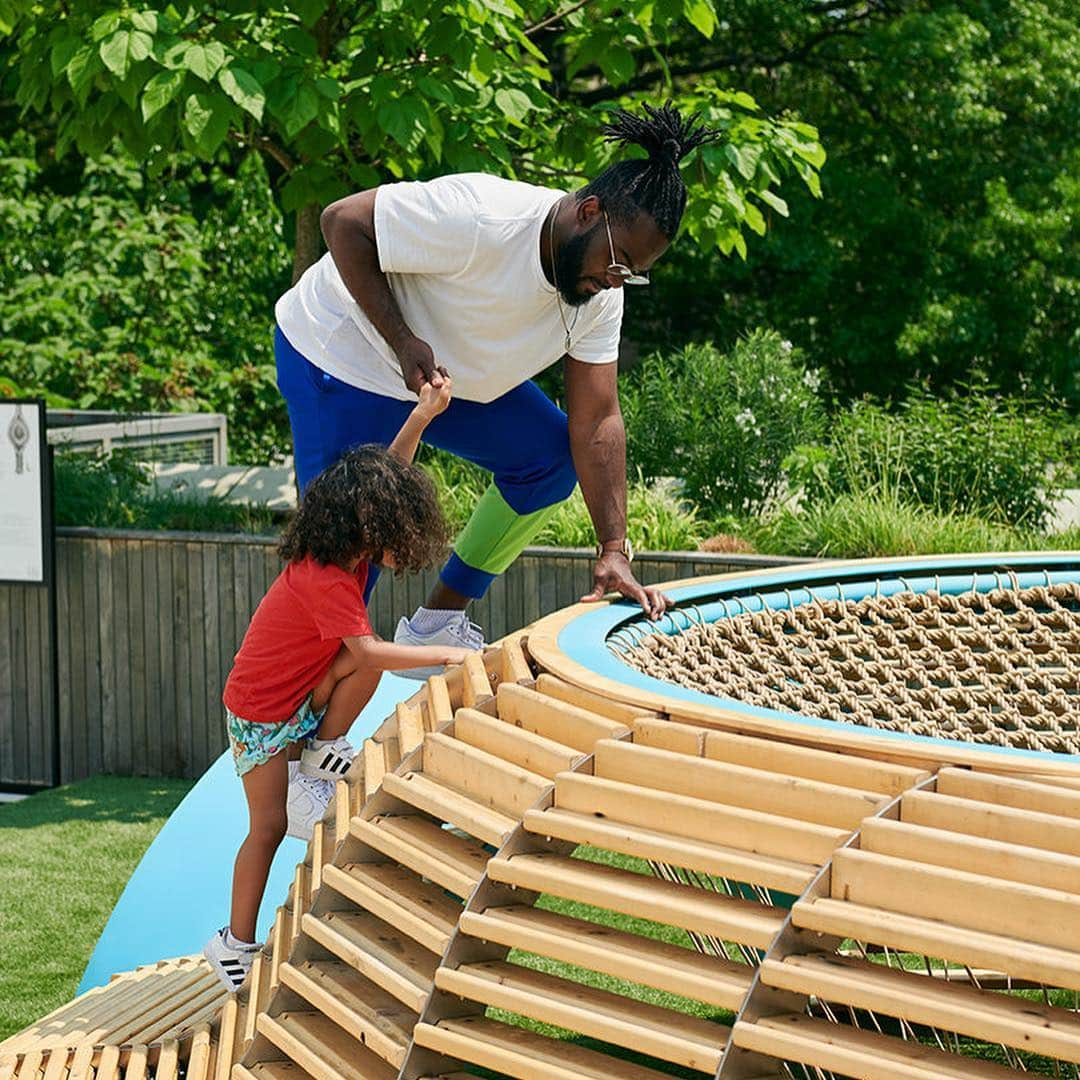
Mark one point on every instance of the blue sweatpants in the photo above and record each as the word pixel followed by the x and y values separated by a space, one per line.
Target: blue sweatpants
pixel 521 438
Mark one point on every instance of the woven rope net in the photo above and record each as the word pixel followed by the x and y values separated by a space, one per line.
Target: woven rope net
pixel 999 667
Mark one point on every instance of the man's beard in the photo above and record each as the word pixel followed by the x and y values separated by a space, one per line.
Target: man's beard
pixel 568 263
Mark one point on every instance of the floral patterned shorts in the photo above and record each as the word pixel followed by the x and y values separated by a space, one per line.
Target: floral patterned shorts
pixel 255 744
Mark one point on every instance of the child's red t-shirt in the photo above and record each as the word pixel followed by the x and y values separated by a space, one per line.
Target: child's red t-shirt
pixel 293 637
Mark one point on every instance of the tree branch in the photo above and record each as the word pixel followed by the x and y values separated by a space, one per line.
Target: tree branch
pixel 557 17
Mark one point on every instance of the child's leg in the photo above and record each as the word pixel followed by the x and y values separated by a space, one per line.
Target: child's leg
pixel 266 787
pixel 345 690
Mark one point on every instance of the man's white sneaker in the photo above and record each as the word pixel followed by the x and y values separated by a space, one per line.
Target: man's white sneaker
pixel 307 803
pixel 457 632
pixel 328 762
pixel 229 963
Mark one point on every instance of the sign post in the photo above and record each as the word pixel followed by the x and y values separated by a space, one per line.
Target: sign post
pixel 27 536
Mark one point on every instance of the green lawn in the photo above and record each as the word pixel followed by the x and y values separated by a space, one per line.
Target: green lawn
pixel 66 855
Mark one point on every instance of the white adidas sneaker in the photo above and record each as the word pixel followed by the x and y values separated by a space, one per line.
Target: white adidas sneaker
pixel 307 803
pixel 457 632
pixel 231 965
pixel 329 762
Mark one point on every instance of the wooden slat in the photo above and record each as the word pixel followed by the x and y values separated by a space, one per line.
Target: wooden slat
pixel 727 862
pixel 990 1017
pixel 845 770
pixel 648 1029
pixel 397 964
pixel 938 847
pixel 515 668
pixel 228 1038
pixel 355 1004
pixel 410 728
pixel 279 944
pixel 860 1054
pixel 975 901
pixel 108 1066
pixel 534 753
pixel 401 899
pixel 475 685
pixel 787 796
pixel 450 806
pixel 30 1065
pixel 452 861
pixel 200 1056
pixel 440 710
pixel 82 1060
pixel 684 971
pixel 342 808
pixel 481 776
pixel 1014 956
pixel 270 1070
pixel 323 1049
pixel 168 1061
pixel 642 897
pixel 557 720
pixel 136 1063
pixel 668 735
pixel 374 765
pixel 523 1054
pixel 698 819
pixel 1044 798
pixel 589 701
pixel 1005 823
pixel 300 898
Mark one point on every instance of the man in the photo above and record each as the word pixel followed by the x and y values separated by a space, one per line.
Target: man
pixel 491 281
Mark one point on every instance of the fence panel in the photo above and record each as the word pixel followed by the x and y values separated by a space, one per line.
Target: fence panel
pixel 149 623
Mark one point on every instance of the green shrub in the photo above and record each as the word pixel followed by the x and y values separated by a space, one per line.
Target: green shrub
pixel 868 525
pixel 984 454
pixel 117 492
pixel 134 295
pixel 723 423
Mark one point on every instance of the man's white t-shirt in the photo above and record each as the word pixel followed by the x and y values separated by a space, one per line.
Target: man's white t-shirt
pixel 462 258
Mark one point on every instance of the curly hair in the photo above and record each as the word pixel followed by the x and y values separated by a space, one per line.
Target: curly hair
pixel 366 504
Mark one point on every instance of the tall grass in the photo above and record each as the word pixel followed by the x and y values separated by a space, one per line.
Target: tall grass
pixel 870 525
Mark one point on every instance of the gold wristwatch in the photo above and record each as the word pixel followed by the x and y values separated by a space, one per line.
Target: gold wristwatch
pixel 624 549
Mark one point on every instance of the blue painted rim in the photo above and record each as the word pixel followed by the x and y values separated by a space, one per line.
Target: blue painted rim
pixel 585 638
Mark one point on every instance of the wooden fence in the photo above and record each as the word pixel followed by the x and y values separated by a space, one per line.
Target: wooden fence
pixel 149 623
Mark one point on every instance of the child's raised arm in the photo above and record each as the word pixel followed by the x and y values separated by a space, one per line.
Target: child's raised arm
pixel 379 655
pixel 433 400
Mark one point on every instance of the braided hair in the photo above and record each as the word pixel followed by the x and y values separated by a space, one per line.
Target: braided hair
pixel 653 185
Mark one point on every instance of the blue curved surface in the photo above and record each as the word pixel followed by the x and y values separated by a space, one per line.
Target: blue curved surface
pixel 585 639
pixel 179 893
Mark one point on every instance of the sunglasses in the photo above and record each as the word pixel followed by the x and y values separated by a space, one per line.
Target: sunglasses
pixel 617 270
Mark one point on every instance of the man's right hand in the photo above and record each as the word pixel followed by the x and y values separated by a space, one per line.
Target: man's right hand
pixel 418 366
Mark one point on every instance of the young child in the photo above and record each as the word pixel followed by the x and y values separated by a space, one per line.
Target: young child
pixel 309 661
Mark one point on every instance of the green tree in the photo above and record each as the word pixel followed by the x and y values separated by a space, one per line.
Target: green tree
pixel 343 94
pixel 947 248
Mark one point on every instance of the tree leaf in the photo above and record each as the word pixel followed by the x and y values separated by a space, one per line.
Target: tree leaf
pixel 104 25
pixel 774 201
pixel 754 219
pixel 617 64
pixel 61 53
pixel 114 53
pixel 160 90
pixel 145 20
pixel 404 120
pixel 304 109
pixel 243 88
pixel 205 60
pixel 513 103
pixel 207 121
pixel 701 15
pixel 744 158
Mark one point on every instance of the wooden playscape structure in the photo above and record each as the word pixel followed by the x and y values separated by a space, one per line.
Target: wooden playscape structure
pixel 537 868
